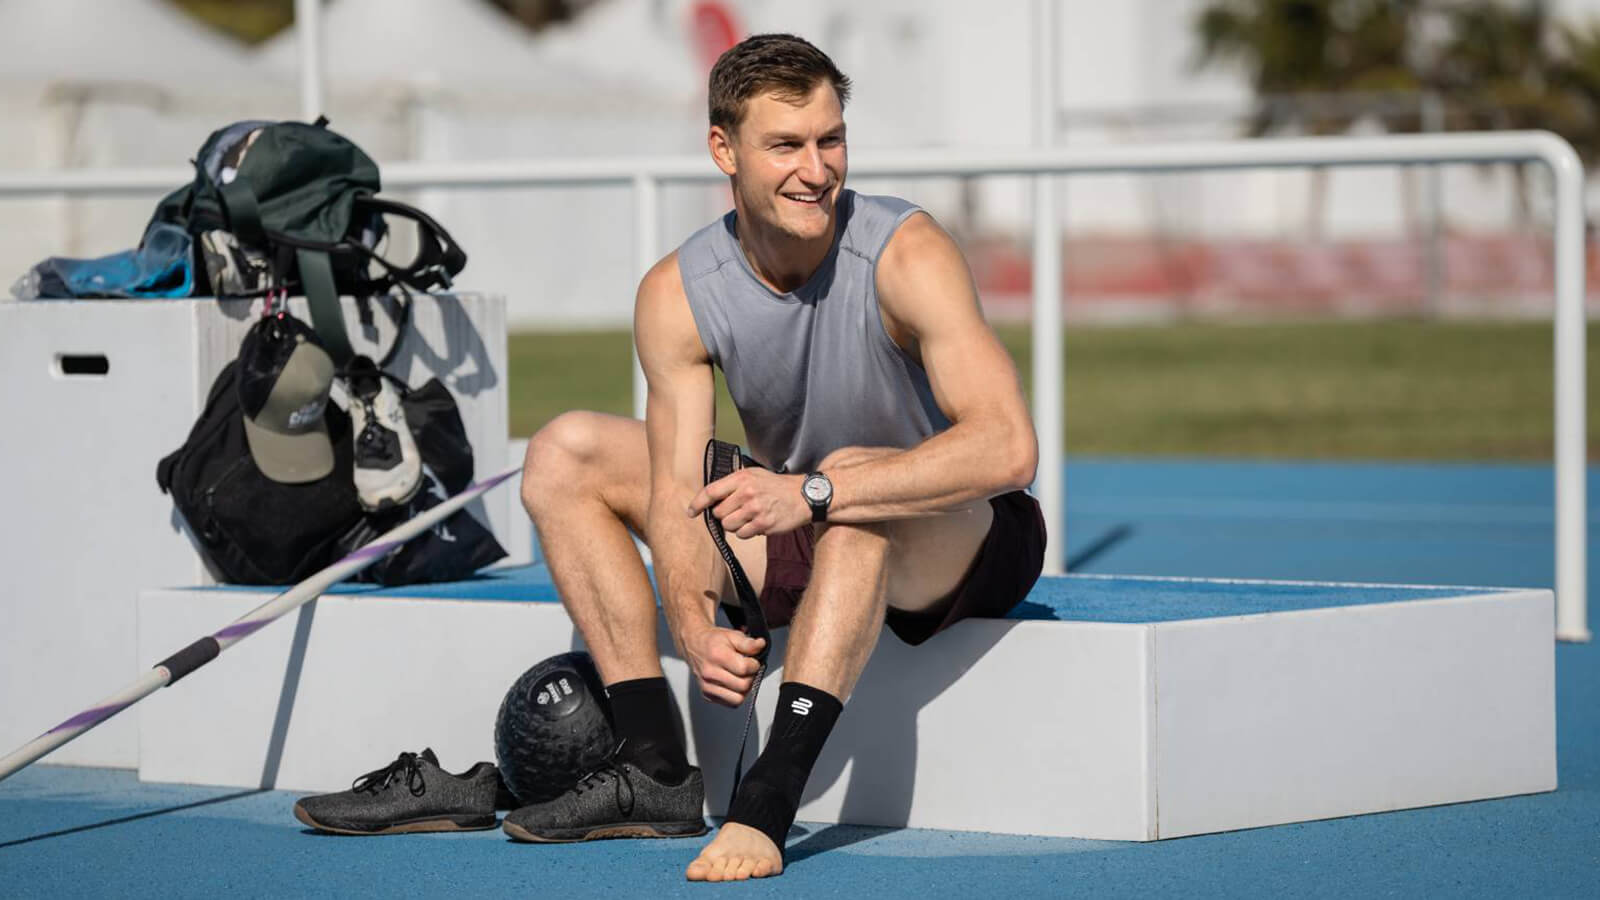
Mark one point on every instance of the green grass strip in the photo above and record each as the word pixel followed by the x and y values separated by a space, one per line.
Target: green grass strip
pixel 1319 390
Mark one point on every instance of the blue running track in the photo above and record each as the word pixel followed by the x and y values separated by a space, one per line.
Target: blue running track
pixel 86 832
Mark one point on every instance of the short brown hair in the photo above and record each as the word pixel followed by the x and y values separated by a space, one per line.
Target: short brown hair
pixel 782 64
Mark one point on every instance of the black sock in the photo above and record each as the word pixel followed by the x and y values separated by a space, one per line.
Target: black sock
pixel 769 795
pixel 641 716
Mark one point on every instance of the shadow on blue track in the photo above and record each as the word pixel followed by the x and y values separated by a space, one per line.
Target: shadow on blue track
pixel 828 837
pixel 123 820
pixel 1112 537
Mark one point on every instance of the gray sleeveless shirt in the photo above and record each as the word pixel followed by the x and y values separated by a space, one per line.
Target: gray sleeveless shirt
pixel 811 370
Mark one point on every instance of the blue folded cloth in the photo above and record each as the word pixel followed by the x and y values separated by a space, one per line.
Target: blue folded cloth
pixel 161 266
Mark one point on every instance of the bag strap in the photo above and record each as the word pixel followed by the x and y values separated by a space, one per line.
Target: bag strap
pixel 327 318
pixel 722 459
pixel 224 386
pixel 439 258
pixel 243 212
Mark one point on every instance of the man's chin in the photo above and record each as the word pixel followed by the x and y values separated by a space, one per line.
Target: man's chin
pixel 811 225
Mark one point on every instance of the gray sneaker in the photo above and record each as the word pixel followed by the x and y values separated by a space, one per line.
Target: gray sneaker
pixel 617 800
pixel 410 794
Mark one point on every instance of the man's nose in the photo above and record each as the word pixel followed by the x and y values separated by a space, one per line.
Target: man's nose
pixel 812 171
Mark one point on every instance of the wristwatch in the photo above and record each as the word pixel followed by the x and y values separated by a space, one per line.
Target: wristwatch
pixel 818 491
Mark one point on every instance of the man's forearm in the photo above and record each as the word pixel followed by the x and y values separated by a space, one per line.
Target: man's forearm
pixel 965 463
pixel 685 571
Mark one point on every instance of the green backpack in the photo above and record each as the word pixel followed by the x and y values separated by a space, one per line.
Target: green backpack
pixel 286 207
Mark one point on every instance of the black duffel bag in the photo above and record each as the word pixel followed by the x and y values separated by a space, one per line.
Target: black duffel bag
pixel 249 528
pixel 449 551
pixel 252 529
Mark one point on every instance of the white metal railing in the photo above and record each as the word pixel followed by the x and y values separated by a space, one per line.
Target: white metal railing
pixel 646 175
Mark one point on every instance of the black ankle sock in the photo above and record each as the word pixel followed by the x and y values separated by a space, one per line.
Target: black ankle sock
pixel 641 715
pixel 770 792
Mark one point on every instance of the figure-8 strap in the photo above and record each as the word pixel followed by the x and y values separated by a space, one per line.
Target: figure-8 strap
pixel 722 460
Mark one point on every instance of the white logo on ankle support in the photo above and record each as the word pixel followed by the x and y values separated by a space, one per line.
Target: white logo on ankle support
pixel 801 707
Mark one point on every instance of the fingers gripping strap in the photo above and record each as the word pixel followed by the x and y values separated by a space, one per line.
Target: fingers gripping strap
pixel 722 459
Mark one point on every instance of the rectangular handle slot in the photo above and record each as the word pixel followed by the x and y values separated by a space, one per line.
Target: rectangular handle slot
pixel 82 364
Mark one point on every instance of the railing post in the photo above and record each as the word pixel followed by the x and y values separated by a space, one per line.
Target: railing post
pixel 1048 367
pixel 308 32
pixel 1433 211
pixel 646 237
pixel 1572 596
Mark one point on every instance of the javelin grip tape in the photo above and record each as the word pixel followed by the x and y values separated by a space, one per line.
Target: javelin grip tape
pixel 190 658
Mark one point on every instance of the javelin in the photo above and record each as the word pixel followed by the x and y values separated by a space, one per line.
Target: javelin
pixel 207 648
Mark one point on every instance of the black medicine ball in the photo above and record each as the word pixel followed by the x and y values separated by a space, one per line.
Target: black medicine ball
pixel 554 727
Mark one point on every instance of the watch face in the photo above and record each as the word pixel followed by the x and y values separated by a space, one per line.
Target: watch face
pixel 817 488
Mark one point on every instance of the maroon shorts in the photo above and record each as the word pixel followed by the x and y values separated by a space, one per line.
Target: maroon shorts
pixel 1004 571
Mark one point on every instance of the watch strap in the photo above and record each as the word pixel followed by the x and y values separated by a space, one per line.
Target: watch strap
pixel 819 511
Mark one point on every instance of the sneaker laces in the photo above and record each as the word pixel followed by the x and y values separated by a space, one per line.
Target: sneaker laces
pixel 614 772
pixel 366 384
pixel 379 779
pixel 372 432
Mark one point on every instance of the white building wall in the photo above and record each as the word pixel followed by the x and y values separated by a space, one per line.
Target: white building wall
pixel 927 72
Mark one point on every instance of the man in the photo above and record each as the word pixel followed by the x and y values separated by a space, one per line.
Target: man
pixel 886 415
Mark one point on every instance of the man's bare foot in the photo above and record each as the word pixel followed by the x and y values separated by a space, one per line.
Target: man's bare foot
pixel 736 853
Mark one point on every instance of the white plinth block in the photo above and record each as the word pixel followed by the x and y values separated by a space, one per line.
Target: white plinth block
pixel 91 528
pixel 1209 706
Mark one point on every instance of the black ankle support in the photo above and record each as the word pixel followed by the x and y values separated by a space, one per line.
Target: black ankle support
pixel 641 715
pixel 769 795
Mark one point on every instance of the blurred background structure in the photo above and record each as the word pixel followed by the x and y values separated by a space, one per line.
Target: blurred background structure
pixel 142 82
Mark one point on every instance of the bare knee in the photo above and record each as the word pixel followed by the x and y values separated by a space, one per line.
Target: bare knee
pixel 854 539
pixel 561 459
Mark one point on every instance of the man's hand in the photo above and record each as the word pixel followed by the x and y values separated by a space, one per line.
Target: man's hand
pixel 755 501
pixel 724 661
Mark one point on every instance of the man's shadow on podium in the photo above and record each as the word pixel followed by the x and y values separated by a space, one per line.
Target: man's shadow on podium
pixel 876 737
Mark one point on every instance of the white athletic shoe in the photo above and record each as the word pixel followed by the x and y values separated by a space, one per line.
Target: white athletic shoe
pixel 388 467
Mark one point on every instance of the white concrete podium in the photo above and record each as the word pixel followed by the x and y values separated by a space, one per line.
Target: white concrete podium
pixel 96 392
pixel 1114 708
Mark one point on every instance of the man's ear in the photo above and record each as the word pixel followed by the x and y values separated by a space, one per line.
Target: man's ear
pixel 720 143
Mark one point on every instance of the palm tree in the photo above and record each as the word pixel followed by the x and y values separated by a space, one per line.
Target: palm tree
pixel 1495 66
pixel 1292 48
pixel 253 21
pixel 1508 65
pixel 1296 53
pixel 250 21
pixel 1577 76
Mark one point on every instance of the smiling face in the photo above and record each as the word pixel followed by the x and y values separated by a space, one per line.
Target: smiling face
pixel 787 161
